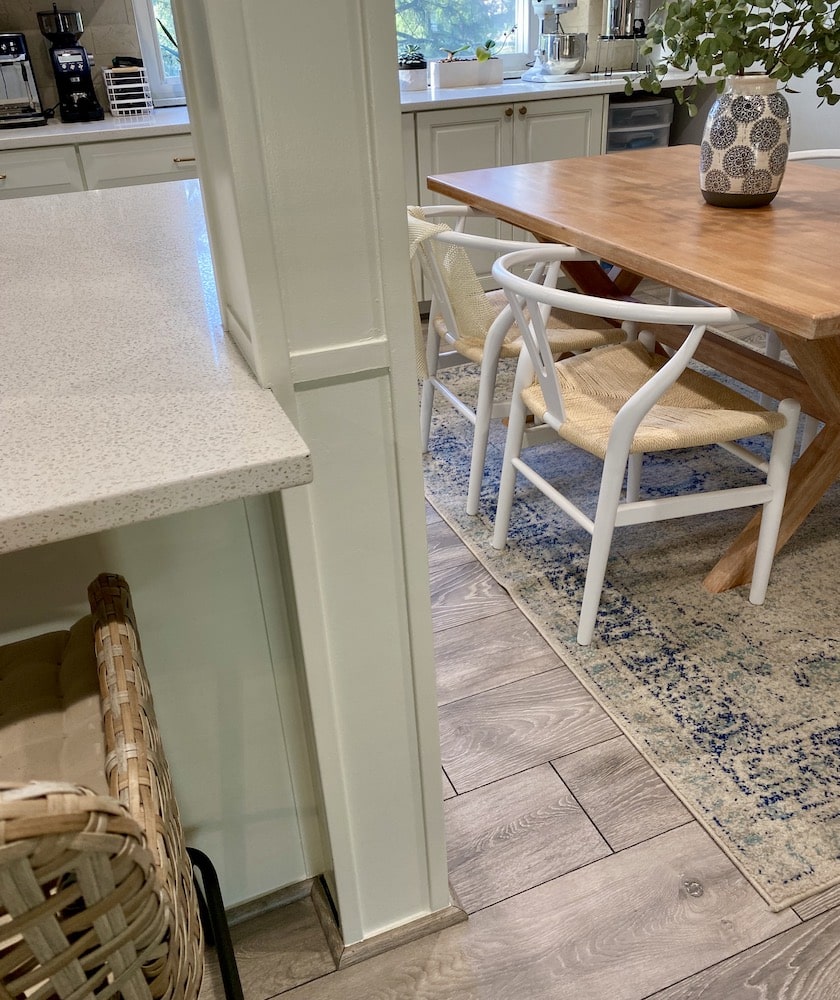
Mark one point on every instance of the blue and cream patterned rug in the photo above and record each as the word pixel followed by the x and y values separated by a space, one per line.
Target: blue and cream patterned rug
pixel 737 707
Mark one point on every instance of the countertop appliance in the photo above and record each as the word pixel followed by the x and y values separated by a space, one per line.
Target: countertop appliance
pixel 71 64
pixel 560 54
pixel 20 102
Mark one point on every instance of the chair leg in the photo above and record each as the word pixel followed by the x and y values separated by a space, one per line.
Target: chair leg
pixel 426 399
pixel 599 551
pixel 481 432
pixel 218 932
pixel 634 478
pixel 771 516
pixel 513 449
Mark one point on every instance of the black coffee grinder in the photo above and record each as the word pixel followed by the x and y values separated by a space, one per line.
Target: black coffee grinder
pixel 71 65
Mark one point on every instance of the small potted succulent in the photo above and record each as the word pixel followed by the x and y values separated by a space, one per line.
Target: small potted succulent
pixel 481 68
pixel 412 68
pixel 750 49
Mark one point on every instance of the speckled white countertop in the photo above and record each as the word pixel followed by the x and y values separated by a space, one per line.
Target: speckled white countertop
pixel 121 399
pixel 513 90
pixel 162 121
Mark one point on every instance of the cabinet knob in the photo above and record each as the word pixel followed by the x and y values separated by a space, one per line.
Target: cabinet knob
pixel 183 159
pixel 2 177
pixel 508 112
pixel 523 110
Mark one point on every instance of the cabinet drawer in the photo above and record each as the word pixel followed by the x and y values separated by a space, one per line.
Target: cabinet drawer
pixel 637 138
pixel 138 161
pixel 40 170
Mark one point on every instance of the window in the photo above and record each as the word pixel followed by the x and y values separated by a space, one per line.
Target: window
pixel 158 43
pixel 441 25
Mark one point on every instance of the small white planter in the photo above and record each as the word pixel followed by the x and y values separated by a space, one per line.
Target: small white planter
pixel 465 73
pixel 414 79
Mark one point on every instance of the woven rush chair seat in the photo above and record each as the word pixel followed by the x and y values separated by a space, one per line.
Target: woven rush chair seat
pixel 695 411
pixel 97 895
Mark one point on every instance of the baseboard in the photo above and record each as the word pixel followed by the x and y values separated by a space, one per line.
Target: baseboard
pixel 250 908
pixel 346 955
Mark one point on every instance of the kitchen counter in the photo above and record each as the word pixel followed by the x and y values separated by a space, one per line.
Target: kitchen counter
pixel 174 121
pixel 121 399
pixel 513 90
pixel 162 121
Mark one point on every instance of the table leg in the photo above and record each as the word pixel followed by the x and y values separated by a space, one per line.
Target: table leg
pixel 810 477
pixel 813 473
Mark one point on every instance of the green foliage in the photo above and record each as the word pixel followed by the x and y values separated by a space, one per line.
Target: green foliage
pixel 410 57
pixel 717 38
pixel 167 38
pixel 445 25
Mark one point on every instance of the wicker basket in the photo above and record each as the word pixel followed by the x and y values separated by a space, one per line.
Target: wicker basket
pixel 128 91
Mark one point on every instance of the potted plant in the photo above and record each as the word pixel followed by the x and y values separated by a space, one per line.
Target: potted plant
pixel 412 68
pixel 750 49
pixel 481 68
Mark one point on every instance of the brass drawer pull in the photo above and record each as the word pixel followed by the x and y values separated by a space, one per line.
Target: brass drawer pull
pixel 183 159
pixel 508 112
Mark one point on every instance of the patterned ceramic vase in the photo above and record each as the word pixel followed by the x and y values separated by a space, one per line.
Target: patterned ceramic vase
pixel 745 144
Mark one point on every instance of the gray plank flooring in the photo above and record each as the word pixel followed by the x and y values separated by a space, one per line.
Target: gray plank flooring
pixel 584 876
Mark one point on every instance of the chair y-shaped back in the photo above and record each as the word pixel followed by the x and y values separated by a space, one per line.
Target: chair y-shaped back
pixel 621 401
pixel 468 324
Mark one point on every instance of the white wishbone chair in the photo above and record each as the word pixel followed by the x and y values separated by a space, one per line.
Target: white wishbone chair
pixel 620 402
pixel 468 324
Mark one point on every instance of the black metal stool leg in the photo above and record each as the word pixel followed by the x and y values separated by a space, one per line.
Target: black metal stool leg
pixel 214 920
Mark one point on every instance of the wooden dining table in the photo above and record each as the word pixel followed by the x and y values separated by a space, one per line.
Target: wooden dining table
pixel 642 212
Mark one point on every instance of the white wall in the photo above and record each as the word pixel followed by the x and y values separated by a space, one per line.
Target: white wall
pixel 812 126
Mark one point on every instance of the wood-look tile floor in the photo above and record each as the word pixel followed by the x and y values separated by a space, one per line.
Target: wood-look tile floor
pixel 585 878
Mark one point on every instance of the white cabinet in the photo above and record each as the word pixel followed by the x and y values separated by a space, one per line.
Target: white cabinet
pixel 25 172
pixel 475 136
pixel 119 162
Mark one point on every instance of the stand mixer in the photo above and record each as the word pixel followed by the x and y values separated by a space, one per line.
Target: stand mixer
pixel 560 55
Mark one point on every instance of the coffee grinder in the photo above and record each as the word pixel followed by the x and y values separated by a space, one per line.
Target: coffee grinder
pixel 77 101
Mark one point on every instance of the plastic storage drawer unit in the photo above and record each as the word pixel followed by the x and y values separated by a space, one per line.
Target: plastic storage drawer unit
pixel 639 125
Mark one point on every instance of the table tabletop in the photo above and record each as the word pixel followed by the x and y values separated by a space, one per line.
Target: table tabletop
pixel 642 210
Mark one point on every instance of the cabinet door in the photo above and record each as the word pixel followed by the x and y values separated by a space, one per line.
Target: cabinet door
pixel 556 129
pixel 119 162
pixel 39 170
pixel 466 138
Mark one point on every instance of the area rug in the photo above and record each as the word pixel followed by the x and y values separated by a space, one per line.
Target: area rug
pixel 737 707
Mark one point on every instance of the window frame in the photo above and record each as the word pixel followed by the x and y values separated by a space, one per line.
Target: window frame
pixel 166 91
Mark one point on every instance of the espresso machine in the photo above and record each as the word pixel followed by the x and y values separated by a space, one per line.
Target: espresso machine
pixel 560 54
pixel 20 102
pixel 71 64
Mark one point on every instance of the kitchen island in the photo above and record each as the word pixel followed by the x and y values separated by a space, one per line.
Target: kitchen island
pixel 121 398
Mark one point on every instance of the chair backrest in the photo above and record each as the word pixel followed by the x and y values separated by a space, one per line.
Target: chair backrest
pixel 815 154
pixel 457 294
pixel 534 296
